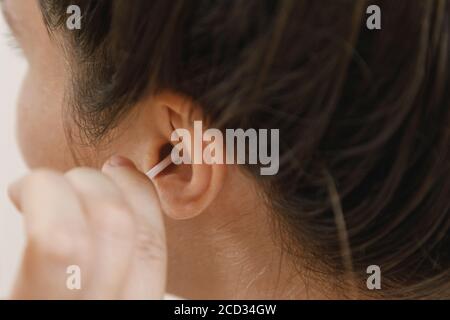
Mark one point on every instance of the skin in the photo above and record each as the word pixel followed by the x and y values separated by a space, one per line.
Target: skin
pixel 218 233
pixel 109 224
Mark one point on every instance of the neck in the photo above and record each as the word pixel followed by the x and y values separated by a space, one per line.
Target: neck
pixel 233 252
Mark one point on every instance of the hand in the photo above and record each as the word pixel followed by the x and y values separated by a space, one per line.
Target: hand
pixel 107 223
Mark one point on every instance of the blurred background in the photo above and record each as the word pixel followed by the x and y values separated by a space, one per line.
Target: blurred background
pixel 12 69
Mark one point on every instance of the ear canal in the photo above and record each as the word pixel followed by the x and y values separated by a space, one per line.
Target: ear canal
pixel 165 155
pixel 165 151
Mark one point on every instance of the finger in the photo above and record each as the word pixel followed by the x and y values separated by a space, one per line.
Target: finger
pixel 56 236
pixel 113 230
pixel 147 277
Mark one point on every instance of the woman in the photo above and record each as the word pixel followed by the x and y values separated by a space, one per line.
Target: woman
pixel 364 171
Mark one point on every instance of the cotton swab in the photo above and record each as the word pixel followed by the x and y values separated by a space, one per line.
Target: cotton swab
pixel 157 169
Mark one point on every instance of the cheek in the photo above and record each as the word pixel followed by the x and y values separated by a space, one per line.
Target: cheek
pixel 39 122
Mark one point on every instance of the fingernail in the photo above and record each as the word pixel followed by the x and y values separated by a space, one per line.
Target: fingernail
pixel 119 161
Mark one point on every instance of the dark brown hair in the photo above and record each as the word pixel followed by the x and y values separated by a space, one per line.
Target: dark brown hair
pixel 363 114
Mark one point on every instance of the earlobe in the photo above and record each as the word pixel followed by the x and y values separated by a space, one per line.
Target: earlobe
pixel 185 191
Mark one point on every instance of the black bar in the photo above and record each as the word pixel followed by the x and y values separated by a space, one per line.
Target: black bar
pixel 192 309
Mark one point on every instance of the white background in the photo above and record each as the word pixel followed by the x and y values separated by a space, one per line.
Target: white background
pixel 12 68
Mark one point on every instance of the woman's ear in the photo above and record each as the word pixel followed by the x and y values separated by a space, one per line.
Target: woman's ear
pixel 186 190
